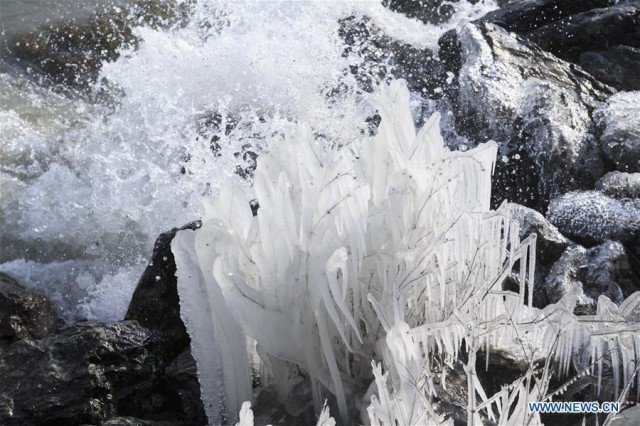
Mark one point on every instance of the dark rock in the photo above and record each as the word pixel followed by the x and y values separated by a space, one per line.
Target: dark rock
pixel 132 421
pixel 608 271
pixel 72 50
pixel 605 270
pixel 527 15
pixel 428 11
pixel 564 278
pixel 155 303
pixel 535 105
pixel 419 67
pixel 385 58
pixel 616 67
pixel 132 372
pixel 592 30
pixel 501 369
pixel 619 123
pixel 590 217
pixel 85 374
pixel 453 397
pixel 215 129
pixel 23 314
pixel 550 244
pixel 181 379
pixel 364 40
pixel 603 36
pixel 620 185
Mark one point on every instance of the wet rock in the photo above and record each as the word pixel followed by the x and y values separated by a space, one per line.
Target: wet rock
pixel 602 36
pixel 608 271
pixel 427 11
pixel 23 314
pixel 535 105
pixel 591 217
pixel 619 121
pixel 386 58
pixel 527 15
pixel 564 278
pixel 132 372
pixel 604 270
pixel 616 67
pixel 550 243
pixel 620 185
pixel 71 51
pixel 502 370
pixel 364 40
pixel 155 303
pixel 590 30
pixel 577 38
pixel 84 375
pixel 181 379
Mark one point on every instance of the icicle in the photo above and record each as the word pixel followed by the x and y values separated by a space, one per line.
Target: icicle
pixel 246 415
pixel 532 265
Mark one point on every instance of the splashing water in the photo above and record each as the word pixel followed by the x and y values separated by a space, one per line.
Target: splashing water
pixel 87 186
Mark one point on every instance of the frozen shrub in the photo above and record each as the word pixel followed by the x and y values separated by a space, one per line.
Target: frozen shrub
pixel 384 251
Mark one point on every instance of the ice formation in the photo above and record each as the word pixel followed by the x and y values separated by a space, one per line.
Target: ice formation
pixel 384 251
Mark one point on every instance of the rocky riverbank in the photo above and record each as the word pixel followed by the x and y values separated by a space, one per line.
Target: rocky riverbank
pixel 135 372
pixel 554 82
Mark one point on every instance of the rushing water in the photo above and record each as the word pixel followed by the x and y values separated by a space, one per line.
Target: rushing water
pixel 86 186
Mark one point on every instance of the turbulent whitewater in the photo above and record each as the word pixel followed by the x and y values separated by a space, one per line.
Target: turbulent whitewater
pixel 87 186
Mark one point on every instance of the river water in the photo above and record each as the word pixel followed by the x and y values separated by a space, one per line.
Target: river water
pixel 86 184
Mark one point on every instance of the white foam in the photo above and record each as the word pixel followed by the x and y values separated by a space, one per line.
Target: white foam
pixel 88 187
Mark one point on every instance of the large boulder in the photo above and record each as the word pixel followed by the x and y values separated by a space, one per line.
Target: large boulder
pixel 538 107
pixel 602 36
pixel 605 42
pixel 608 271
pixel 563 279
pixel 385 57
pixel 604 270
pixel 427 11
pixel 156 305
pixel 23 314
pixel 616 66
pixel 83 375
pixel 619 123
pixel 72 48
pixel 620 185
pixel 595 29
pixel 550 245
pixel 590 217
pixel 526 15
